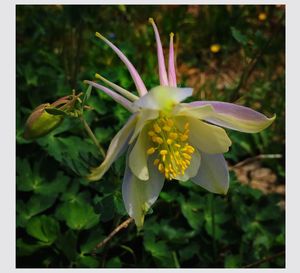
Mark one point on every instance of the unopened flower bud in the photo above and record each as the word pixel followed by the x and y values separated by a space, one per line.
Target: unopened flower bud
pixel 40 123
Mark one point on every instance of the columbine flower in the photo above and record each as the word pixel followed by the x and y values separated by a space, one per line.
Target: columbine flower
pixel 168 139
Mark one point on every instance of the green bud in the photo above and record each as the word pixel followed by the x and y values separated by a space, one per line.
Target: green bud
pixel 40 123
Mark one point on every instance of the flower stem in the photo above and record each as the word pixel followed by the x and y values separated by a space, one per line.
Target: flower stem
pixel 212 209
pixel 92 136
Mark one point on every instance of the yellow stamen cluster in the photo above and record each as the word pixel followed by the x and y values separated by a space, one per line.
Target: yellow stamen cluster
pixel 171 146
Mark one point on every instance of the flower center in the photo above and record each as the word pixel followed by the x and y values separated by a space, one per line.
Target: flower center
pixel 171 146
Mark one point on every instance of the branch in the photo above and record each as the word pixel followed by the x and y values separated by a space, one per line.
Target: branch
pixel 112 234
pixel 254 158
pixel 265 260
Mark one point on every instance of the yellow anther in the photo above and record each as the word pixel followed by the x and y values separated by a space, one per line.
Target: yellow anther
pixel 170 122
pixel 177 145
pixel 161 167
pixel 163 158
pixel 169 141
pixel 186 126
pixel 151 151
pixel 156 161
pixel 184 137
pixel 173 135
pixel 187 156
pixel 163 152
pixel 167 128
pixel 151 133
pixel 156 128
pixel 157 139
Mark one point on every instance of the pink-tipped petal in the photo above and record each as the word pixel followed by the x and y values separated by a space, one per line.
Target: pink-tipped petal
pixel 171 67
pixel 115 96
pixel 161 61
pixel 235 116
pixel 140 86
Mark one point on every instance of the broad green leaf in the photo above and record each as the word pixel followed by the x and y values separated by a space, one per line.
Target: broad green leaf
pixel 78 215
pixel 159 251
pixel 66 151
pixel 43 228
pixel 26 249
pixel 114 263
pixel 35 205
pixel 67 244
pixel 87 261
pixel 193 215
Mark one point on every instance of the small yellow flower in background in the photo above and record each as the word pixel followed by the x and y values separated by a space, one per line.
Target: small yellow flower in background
pixel 262 16
pixel 168 139
pixel 215 48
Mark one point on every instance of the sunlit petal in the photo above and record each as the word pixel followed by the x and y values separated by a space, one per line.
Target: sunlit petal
pixel 213 173
pixel 138 156
pixel 206 137
pixel 235 116
pixel 115 149
pixel 143 117
pixel 139 195
pixel 163 97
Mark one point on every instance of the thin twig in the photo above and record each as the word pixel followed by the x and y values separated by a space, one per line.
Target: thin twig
pixel 112 234
pixel 92 136
pixel 265 260
pixel 254 158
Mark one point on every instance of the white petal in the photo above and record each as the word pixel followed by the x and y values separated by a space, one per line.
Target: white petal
pixel 138 156
pixel 163 97
pixel 143 117
pixel 115 149
pixel 138 195
pixel 206 137
pixel 213 173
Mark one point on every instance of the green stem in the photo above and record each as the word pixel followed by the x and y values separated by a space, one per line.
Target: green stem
pixel 92 136
pixel 213 225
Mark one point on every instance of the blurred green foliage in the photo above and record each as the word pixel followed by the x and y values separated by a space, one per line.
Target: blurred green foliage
pixel 61 217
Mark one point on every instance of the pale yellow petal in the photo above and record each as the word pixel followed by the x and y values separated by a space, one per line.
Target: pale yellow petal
pixel 116 147
pixel 206 137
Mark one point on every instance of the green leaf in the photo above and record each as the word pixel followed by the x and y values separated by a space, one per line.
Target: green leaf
pixel 86 95
pixel 67 243
pixel 43 228
pixel 232 261
pixel 74 152
pixel 30 179
pixel 95 236
pixel 25 249
pixel 114 263
pixel 78 215
pixel 159 251
pixel 35 205
pixel 238 36
pixel 193 215
pixel 87 261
